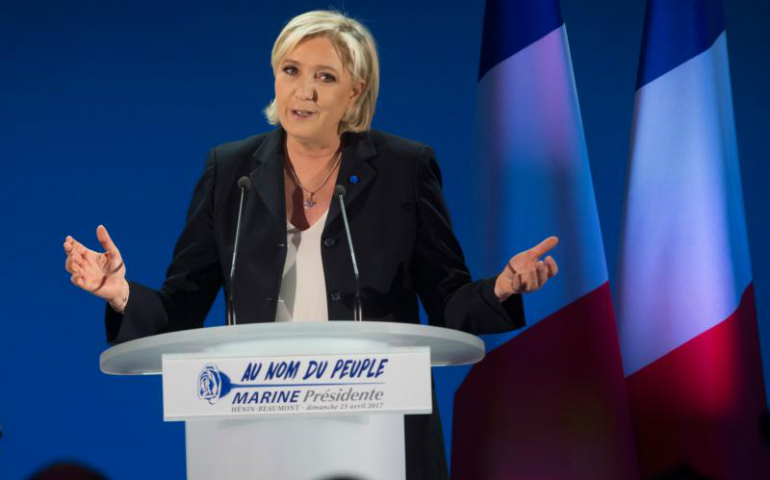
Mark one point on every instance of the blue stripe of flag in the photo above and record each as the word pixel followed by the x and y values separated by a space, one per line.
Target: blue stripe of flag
pixel 512 25
pixel 676 31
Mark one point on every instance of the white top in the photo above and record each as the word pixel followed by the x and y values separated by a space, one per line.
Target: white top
pixel 303 289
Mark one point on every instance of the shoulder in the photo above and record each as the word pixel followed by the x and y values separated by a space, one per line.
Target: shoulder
pixel 392 146
pixel 241 148
pixel 402 153
pixel 399 153
pixel 240 157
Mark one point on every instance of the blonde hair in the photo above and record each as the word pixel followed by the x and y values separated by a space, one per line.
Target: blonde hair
pixel 355 47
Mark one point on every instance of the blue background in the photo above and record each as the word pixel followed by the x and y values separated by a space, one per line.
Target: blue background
pixel 108 110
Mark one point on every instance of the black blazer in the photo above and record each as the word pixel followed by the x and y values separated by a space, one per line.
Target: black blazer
pixel 402 236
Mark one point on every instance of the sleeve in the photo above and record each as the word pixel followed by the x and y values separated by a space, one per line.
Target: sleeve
pixel 193 279
pixel 448 294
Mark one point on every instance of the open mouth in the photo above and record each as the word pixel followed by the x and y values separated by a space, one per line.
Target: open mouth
pixel 302 113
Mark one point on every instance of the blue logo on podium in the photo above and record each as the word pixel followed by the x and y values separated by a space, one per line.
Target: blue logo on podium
pixel 213 384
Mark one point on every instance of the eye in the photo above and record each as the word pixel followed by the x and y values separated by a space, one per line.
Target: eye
pixel 327 77
pixel 290 70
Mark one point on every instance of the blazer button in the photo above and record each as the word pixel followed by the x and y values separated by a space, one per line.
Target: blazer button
pixel 335 296
pixel 329 242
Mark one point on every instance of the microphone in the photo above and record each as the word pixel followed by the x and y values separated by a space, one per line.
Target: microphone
pixel 244 183
pixel 339 192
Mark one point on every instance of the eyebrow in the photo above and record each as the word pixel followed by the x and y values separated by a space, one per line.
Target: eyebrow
pixel 318 67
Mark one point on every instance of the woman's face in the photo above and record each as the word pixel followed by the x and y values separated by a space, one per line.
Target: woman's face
pixel 313 91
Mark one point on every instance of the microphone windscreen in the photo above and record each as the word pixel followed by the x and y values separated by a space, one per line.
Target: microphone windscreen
pixel 339 190
pixel 244 182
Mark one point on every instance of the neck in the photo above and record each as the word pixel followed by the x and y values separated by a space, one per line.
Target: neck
pixel 312 150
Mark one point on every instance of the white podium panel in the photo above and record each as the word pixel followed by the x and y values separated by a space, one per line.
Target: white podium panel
pixel 368 447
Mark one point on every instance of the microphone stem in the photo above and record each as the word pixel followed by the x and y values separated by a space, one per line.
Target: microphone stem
pixel 357 309
pixel 231 308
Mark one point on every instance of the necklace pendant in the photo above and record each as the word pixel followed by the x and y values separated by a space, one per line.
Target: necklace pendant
pixel 309 203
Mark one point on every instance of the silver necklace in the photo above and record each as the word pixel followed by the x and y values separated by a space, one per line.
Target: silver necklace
pixel 309 202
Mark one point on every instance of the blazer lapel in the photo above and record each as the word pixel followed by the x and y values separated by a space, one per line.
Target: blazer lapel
pixel 267 176
pixel 356 174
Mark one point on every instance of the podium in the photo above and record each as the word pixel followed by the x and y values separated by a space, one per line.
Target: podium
pixel 293 446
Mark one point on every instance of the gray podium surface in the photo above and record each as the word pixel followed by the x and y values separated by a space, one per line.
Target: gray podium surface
pixel 143 356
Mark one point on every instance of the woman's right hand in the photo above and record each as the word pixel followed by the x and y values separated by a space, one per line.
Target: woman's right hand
pixel 103 274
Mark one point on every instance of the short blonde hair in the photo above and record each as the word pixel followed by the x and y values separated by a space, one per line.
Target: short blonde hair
pixel 356 48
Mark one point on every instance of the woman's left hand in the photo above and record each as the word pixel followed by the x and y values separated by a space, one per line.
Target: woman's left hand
pixel 525 272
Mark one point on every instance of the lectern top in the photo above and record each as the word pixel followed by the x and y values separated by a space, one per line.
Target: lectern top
pixel 143 356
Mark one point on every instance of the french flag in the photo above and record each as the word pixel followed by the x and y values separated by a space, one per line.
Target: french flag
pixel 549 402
pixel 686 317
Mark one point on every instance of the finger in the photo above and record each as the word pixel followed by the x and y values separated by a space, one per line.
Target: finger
pixel 542 273
pixel 544 246
pixel 528 281
pixel 525 286
pixel 78 247
pixel 78 280
pixel 75 256
pixel 76 268
pixel 534 284
pixel 106 240
pixel 553 269
pixel 68 244
pixel 79 260
pixel 516 283
pixel 69 265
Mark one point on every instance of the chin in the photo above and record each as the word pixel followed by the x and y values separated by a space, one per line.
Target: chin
pixel 301 133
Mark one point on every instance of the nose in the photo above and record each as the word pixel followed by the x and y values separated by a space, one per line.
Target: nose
pixel 306 90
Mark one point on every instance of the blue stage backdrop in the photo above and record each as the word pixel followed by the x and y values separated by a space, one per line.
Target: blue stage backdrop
pixel 109 108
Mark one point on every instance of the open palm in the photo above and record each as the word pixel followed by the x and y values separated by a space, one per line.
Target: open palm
pixel 103 274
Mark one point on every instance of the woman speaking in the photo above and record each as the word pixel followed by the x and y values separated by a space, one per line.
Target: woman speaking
pixel 293 263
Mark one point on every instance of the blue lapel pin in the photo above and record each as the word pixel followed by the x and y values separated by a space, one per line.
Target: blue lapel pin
pixel 353 179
